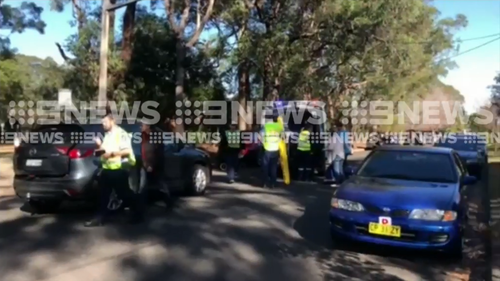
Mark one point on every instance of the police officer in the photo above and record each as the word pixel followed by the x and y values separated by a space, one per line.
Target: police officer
pixel 117 159
pixel 270 140
pixel 233 151
pixel 304 154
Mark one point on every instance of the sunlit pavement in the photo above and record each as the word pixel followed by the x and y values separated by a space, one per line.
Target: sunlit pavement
pixel 235 232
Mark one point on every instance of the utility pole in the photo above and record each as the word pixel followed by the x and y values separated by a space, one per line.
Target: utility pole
pixel 103 61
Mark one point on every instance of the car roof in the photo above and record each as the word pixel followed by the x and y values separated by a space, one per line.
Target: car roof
pixel 468 136
pixel 416 148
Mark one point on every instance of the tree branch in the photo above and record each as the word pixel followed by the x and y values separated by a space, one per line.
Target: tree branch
pixel 63 54
pixel 204 21
pixel 185 16
pixel 169 7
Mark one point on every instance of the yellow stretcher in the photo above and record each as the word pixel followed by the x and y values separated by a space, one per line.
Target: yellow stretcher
pixel 284 158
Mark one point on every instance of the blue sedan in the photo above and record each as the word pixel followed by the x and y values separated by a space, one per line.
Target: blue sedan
pixel 404 196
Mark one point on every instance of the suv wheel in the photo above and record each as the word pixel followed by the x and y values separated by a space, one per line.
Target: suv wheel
pixel 199 180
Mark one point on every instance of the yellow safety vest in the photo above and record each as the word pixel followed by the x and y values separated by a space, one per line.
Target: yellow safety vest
pixel 113 142
pixel 304 142
pixel 233 139
pixel 272 136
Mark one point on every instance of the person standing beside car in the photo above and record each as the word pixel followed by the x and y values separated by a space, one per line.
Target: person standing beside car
pixel 336 154
pixel 150 175
pixel 271 141
pixel 233 151
pixel 304 154
pixel 117 158
pixel 344 136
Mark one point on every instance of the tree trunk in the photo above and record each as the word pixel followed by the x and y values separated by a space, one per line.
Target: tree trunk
pixel 275 95
pixel 128 33
pixel 243 93
pixel 112 17
pixel 266 87
pixel 180 72
pixel 331 108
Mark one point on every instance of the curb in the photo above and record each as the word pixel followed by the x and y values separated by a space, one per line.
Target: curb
pixel 494 226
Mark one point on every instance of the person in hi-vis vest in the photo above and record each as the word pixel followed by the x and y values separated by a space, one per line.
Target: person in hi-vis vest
pixel 271 138
pixel 117 158
pixel 233 151
pixel 304 154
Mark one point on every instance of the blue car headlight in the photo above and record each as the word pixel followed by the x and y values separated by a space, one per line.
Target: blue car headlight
pixel 433 215
pixel 346 205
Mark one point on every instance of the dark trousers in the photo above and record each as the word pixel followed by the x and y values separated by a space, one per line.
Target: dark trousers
pixel 304 160
pixel 345 162
pixel 270 167
pixel 232 163
pixel 152 181
pixel 117 181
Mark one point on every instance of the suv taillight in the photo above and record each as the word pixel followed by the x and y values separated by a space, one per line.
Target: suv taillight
pixel 76 153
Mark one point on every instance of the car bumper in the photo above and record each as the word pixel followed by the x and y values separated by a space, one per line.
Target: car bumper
pixel 50 188
pixel 414 235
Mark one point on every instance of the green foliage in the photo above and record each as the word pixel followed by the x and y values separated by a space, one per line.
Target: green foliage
pixel 16 19
pixel 333 50
pixel 28 78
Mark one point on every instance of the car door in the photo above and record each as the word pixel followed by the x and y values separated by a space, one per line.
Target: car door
pixel 462 171
pixel 173 165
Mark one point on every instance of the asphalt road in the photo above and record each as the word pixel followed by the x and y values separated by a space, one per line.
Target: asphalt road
pixel 236 232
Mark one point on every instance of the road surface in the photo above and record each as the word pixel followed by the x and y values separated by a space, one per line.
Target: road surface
pixel 236 232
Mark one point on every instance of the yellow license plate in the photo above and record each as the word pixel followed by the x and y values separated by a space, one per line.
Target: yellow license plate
pixel 386 230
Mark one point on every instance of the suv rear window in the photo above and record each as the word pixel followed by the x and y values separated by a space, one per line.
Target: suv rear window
pixel 62 130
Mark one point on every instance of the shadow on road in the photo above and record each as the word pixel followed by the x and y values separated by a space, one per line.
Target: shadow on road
pixel 235 232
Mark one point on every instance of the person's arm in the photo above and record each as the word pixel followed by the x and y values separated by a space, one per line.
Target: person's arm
pixel 125 145
pixel 260 136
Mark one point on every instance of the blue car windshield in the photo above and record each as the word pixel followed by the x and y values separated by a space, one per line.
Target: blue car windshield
pixel 407 165
pixel 460 144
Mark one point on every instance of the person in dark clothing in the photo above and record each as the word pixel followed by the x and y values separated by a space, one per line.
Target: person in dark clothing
pixel 117 160
pixel 412 138
pixel 14 125
pixel 233 151
pixel 151 172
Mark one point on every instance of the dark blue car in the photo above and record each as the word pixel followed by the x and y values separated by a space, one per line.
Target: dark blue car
pixel 470 148
pixel 404 196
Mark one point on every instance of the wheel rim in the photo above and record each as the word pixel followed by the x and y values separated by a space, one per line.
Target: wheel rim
pixel 114 202
pixel 223 166
pixel 200 180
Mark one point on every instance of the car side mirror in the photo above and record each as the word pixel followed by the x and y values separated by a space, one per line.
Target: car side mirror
pixel 469 180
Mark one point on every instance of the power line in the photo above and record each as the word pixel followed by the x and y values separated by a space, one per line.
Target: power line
pixel 479 38
pixel 455 41
pixel 475 48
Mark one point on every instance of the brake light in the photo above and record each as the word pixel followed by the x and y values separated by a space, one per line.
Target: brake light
pixel 17 142
pixel 75 153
